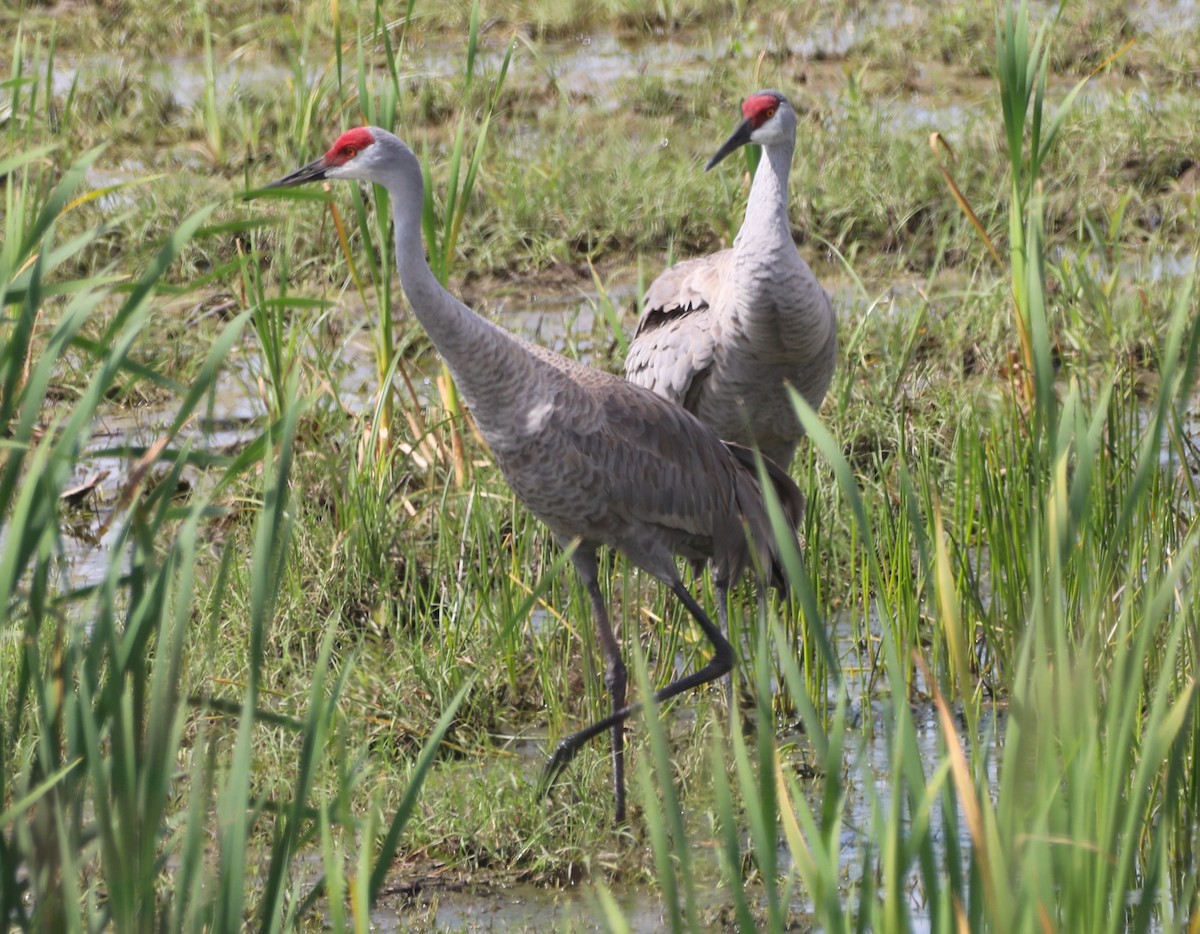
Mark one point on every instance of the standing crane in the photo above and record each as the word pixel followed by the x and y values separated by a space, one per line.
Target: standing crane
pixel 599 460
pixel 723 335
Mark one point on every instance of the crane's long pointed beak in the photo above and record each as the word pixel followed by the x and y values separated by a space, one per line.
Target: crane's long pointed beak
pixel 313 172
pixel 740 137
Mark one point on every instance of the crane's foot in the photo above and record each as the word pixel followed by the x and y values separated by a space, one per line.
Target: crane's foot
pixel 568 747
pixel 563 753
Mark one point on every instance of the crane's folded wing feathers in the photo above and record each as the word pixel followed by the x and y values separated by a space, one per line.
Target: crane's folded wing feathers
pixel 678 331
pixel 662 464
pixel 687 287
pixel 649 464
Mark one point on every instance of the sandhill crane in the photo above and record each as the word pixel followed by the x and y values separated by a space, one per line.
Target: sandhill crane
pixel 599 460
pixel 722 334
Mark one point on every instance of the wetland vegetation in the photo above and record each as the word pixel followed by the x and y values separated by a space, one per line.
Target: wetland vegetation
pixel 279 650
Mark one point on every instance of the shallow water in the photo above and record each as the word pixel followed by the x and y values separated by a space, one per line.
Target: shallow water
pixel 532 908
pixel 519 908
pixel 91 531
pixel 1151 15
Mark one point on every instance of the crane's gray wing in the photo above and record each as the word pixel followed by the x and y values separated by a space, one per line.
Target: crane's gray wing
pixel 596 456
pixel 672 349
pixel 659 481
pixel 680 484
pixel 663 465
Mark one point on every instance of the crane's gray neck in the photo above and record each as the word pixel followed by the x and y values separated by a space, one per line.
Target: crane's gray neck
pixel 440 313
pixel 767 208
pixel 480 354
pixel 779 305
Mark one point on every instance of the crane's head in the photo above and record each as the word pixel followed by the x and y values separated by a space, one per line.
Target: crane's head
pixel 769 119
pixel 357 153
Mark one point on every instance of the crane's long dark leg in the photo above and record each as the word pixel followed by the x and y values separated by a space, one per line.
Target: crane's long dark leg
pixel 616 676
pixel 720 663
pixel 722 588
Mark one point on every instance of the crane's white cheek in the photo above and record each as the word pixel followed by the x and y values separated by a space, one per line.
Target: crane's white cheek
pixel 350 172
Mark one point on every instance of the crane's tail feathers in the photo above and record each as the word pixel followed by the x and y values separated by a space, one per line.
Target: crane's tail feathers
pixel 789 494
pixel 791 501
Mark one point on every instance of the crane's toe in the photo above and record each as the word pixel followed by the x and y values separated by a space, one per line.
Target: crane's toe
pixel 556 764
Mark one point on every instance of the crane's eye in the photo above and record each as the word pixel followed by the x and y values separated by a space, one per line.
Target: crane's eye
pixel 350 152
pixel 770 112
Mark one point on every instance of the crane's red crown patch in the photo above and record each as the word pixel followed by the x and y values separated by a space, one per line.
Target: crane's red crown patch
pixel 349 145
pixel 759 108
